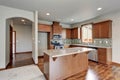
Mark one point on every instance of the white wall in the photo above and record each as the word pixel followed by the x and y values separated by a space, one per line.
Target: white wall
pixel 8 22
pixel 23 38
pixel 115 17
pixel 7 12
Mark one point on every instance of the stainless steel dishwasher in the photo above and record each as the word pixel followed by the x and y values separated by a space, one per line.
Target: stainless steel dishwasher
pixel 93 55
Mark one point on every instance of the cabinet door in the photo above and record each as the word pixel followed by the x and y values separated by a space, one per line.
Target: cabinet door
pixel 105 30
pixel 102 55
pixel 102 29
pixel 96 30
pixel 74 33
pixel 68 33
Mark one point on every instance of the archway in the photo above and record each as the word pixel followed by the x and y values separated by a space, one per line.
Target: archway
pixel 19 41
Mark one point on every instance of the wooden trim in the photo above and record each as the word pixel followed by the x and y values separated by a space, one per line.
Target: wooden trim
pixel 2 69
pixel 23 52
pixel 15 40
pixel 116 64
pixel 40 56
pixel 102 21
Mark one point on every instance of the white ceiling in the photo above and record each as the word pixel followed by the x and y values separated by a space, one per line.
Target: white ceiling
pixel 17 21
pixel 65 10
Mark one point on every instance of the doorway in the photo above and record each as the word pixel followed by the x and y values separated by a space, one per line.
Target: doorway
pixel 20 42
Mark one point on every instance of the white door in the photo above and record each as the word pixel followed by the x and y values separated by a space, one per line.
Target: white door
pixel 42 43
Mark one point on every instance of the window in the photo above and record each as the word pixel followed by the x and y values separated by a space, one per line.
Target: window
pixel 87 33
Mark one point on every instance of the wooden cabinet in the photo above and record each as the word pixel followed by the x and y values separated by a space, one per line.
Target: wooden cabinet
pixel 74 33
pixel 68 33
pixel 56 28
pixel 44 28
pixel 106 29
pixel 105 55
pixel 96 30
pixel 102 29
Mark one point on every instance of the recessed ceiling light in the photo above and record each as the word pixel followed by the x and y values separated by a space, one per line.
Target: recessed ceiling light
pixel 99 9
pixel 47 14
pixel 72 19
pixel 22 20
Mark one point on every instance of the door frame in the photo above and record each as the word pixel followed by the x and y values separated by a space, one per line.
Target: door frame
pixel 15 42
pixel 11 44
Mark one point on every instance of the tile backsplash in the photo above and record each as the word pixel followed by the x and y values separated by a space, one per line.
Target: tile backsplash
pixel 103 42
pixel 67 41
pixel 107 42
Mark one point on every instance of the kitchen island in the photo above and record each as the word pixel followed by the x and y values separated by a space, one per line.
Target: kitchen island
pixel 62 63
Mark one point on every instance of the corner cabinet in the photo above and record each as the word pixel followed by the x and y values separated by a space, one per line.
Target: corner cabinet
pixel 105 55
pixel 102 29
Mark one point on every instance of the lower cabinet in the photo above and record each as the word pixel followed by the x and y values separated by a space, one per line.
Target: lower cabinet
pixel 105 55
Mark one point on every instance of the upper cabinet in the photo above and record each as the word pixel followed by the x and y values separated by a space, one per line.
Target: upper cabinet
pixel 102 29
pixel 74 33
pixel 68 33
pixel 44 28
pixel 56 28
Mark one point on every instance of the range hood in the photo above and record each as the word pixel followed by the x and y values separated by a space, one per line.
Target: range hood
pixel 56 28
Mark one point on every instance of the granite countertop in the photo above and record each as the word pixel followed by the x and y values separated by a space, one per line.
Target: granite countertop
pixel 91 45
pixel 66 51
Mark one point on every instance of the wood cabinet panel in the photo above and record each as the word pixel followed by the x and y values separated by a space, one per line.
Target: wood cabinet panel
pixel 102 29
pixel 68 33
pixel 56 28
pixel 74 33
pixel 105 55
pixel 96 30
pixel 105 29
pixel 60 68
pixel 44 28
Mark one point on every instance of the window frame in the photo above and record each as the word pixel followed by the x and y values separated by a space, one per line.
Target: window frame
pixel 82 32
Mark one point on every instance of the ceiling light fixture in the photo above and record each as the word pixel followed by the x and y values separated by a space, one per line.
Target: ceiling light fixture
pixel 72 19
pixel 47 14
pixel 99 9
pixel 23 20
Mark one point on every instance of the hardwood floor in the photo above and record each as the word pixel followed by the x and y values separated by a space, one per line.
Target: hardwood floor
pixel 95 72
pixel 21 59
